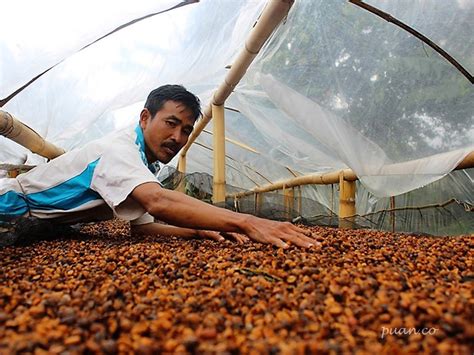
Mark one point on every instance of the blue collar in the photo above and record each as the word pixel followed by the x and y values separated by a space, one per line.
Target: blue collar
pixel 140 141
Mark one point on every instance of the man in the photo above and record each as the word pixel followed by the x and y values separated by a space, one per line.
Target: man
pixel 116 176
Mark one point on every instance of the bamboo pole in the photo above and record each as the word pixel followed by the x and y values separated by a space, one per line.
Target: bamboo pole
pixel 392 213
pixel 300 201
pixel 316 179
pixel 218 192
pixel 347 208
pixel 182 169
pixel 289 202
pixel 235 142
pixel 333 177
pixel 467 162
pixel 258 203
pixel 182 159
pixel 182 164
pixel 12 128
pixel 274 12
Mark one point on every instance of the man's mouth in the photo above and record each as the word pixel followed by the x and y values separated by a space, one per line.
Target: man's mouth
pixel 170 150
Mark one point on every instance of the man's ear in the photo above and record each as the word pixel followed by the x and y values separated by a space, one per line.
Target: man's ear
pixel 144 117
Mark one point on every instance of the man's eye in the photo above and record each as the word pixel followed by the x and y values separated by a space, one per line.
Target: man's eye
pixel 171 123
pixel 187 131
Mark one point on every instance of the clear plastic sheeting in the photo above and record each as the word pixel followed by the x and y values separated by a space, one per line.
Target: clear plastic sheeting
pixel 444 207
pixel 448 23
pixel 35 35
pixel 180 46
pixel 373 167
pixel 369 92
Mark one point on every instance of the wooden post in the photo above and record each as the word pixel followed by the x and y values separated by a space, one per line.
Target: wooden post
pixel 392 212
pixel 182 169
pixel 288 198
pixel 300 202
pixel 258 203
pixel 347 208
pixel 218 195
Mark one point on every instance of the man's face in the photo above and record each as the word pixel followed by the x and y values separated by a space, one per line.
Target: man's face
pixel 167 132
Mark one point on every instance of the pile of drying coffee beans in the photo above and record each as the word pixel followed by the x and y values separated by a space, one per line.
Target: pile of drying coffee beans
pixel 359 291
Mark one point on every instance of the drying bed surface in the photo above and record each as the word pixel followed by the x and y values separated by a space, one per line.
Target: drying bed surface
pixel 360 291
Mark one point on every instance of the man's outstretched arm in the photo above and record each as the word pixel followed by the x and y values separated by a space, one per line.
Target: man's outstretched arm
pixel 167 230
pixel 181 210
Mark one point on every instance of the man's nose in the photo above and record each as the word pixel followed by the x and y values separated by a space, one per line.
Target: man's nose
pixel 177 136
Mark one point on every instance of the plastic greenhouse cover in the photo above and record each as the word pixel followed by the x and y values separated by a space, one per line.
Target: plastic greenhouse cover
pixel 34 35
pixel 368 91
pixel 334 87
pixel 448 23
pixel 87 92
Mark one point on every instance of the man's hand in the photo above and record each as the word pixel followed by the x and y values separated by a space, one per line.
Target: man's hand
pixel 277 233
pixel 239 238
pixel 178 209
pixel 167 230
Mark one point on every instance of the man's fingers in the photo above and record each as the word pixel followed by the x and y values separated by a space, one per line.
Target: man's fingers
pixel 213 235
pixel 301 237
pixel 217 237
pixel 303 241
pixel 310 240
pixel 279 243
pixel 239 238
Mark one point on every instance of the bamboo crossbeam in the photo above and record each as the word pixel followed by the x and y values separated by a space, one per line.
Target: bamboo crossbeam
pixel 349 175
pixel 467 162
pixel 12 128
pixel 316 179
pixel 237 143
pixel 272 15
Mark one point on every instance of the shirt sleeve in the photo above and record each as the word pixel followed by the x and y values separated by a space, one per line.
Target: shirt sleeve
pixel 118 172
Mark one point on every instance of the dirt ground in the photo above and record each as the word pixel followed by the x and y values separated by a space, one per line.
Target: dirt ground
pixel 361 292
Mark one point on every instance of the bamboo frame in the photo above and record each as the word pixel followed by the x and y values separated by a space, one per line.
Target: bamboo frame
pixel 347 209
pixel 258 203
pixel 392 213
pixel 288 201
pixel 12 128
pixel 245 166
pixel 181 168
pixel 346 179
pixel 333 177
pixel 416 208
pixel 218 192
pixel 274 12
pixel 316 179
pixel 237 143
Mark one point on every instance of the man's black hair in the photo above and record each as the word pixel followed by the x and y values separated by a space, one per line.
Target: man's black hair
pixel 157 98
